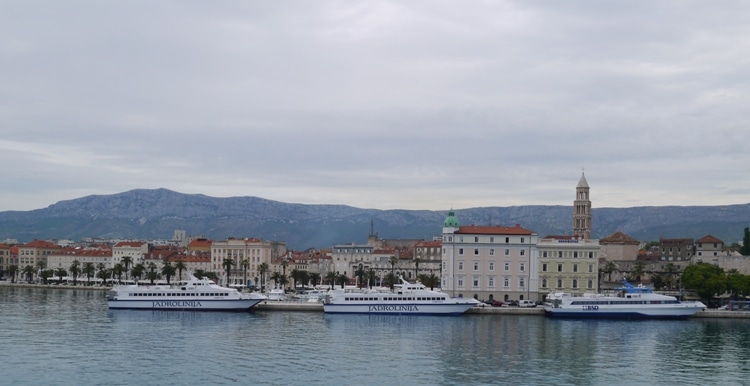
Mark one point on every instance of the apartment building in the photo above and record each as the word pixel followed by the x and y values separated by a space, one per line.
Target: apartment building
pixel 246 255
pixel 568 264
pixel 489 262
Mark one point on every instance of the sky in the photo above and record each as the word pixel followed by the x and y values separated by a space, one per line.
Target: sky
pixel 377 104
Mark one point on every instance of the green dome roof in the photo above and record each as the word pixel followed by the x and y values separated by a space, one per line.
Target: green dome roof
pixel 451 220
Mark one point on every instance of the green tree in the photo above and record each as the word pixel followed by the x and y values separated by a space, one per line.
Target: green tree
pixel 28 271
pixel 13 271
pixel 416 267
pixel 75 270
pixel 117 270
pixel 608 269
pixel 314 278
pixel 89 270
pixel 60 272
pixel 432 281
pixel 152 275
pixel 127 262
pixel 372 277
pixel 45 275
pixel 180 266
pixel 637 273
pixel 276 277
pixel 295 275
pixel 707 280
pixel 167 269
pixel 360 273
pixel 228 264
pixel 745 250
pixel 262 269
pixel 331 278
pixel 101 272
pixel 245 265
pixel 342 279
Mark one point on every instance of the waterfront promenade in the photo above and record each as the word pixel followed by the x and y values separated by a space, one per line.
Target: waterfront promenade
pixel 299 306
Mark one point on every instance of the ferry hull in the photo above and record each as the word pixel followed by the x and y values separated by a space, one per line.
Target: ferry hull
pixel 398 309
pixel 184 305
pixel 601 313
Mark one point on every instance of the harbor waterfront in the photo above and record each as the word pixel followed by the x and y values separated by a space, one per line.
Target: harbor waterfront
pixel 56 336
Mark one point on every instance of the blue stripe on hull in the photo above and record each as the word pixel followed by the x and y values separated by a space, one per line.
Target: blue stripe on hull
pixel 396 313
pixel 610 315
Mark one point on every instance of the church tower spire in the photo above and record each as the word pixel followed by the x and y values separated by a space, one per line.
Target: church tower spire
pixel 582 210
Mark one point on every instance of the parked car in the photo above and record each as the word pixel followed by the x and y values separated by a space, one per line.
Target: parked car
pixel 526 303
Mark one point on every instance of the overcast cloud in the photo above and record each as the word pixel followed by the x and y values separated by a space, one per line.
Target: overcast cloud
pixel 387 104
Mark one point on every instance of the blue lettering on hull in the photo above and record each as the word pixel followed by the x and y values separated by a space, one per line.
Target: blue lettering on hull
pixel 176 304
pixel 393 309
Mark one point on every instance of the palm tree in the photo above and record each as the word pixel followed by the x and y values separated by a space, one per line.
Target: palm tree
pixel 314 278
pixel 431 281
pixel 244 264
pixel 180 266
pixel 13 270
pixel 117 270
pixel 88 270
pixel 295 274
pixel 60 272
pixel 75 270
pixel 331 278
pixel 138 271
pixel 262 269
pixel 360 273
pixel 638 271
pixel 45 275
pixel 28 271
pixel 101 272
pixel 228 264
pixel 41 265
pixel 127 261
pixel 393 260
pixel 608 269
pixel 372 277
pixel 152 274
pixel 670 271
pixel 167 270
pixel 416 267
pixel 284 264
pixel 342 279
pixel 276 277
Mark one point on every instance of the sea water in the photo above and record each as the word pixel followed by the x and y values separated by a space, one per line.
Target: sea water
pixel 70 337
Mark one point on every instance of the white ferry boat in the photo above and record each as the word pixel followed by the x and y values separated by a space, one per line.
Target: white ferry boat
pixel 406 299
pixel 195 295
pixel 277 295
pixel 628 302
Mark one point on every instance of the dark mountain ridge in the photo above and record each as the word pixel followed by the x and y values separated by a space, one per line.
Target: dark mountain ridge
pixel 156 213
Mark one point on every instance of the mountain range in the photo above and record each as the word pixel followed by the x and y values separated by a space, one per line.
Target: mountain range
pixel 156 213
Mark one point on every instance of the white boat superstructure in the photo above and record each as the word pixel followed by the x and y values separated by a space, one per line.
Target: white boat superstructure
pixel 277 295
pixel 195 295
pixel 406 298
pixel 628 302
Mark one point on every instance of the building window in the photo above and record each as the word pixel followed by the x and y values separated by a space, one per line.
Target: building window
pixel 544 283
pixel 521 282
pixel 444 266
pixel 575 254
pixel 590 284
pixel 460 282
pixel 491 282
pixel 523 252
pixel 544 254
pixel 476 266
pixel 559 268
pixel 544 267
pixel 476 252
pixel 575 283
pixel 507 252
pixel 492 239
pixel 461 265
pixel 559 283
pixel 475 281
pixel 460 251
pixel 523 267
pixel 507 266
pixel 507 240
pixel 522 239
pixel 492 251
pixel 476 239
pixel 591 255
pixel 591 268
pixel 559 254
pixel 506 282
pixel 492 265
pixel 575 267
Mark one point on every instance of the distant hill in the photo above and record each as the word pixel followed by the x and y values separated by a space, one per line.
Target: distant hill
pixel 155 214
